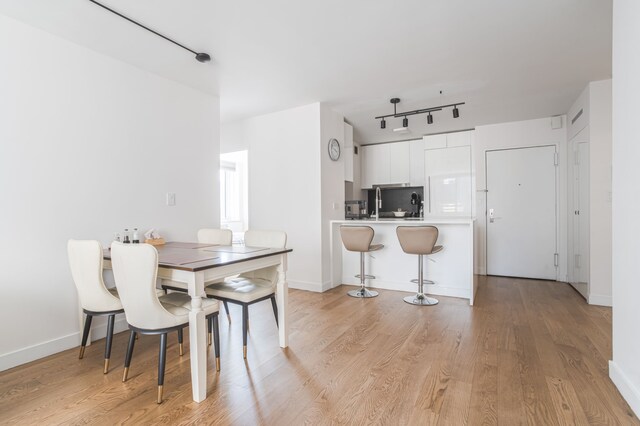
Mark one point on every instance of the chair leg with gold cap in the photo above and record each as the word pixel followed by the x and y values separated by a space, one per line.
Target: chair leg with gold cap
pixel 162 360
pixel 181 341
pixel 109 341
pixel 108 338
pixel 85 335
pixel 245 326
pixel 127 359
pixel 216 339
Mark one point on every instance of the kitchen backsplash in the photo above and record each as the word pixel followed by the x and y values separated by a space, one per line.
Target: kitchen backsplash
pixel 395 198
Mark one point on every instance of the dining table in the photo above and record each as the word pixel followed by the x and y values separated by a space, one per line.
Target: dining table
pixel 196 264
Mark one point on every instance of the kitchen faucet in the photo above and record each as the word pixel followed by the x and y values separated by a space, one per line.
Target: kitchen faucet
pixel 378 202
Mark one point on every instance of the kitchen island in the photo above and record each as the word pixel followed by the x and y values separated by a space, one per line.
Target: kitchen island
pixel 451 269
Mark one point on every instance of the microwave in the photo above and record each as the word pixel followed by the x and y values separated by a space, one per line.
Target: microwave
pixel 355 209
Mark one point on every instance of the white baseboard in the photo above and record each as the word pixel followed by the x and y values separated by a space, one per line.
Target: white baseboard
pixel 600 300
pixel 309 286
pixel 50 347
pixel 628 390
pixel 37 351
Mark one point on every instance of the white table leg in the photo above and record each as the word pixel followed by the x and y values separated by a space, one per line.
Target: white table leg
pixel 197 338
pixel 282 299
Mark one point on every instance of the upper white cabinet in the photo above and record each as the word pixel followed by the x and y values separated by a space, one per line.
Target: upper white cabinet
pixel 416 162
pixel 385 164
pixel 449 140
pixel 375 165
pixel 348 152
pixel 404 162
pixel 399 162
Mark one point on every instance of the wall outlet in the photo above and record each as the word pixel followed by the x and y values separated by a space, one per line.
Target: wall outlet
pixel 171 198
pixel 336 206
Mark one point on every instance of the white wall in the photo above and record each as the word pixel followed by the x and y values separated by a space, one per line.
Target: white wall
pixel 624 369
pixel 332 178
pixel 519 134
pixel 600 192
pixel 88 146
pixel 232 138
pixel 285 185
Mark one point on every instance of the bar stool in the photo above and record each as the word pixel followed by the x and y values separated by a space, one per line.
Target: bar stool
pixel 358 238
pixel 419 240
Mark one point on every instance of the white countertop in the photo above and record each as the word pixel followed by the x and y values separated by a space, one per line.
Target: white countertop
pixel 412 221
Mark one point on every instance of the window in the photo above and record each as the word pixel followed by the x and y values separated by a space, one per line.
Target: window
pixel 234 213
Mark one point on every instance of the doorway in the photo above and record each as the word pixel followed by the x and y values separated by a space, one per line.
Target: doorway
pixel 521 212
pixel 234 194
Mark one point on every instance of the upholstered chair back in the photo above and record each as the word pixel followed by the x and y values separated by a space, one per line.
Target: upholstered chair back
pixel 85 261
pixel 270 239
pixel 221 237
pixel 356 238
pixel 417 239
pixel 135 268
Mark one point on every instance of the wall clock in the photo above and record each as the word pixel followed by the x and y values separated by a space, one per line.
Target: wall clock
pixel 334 149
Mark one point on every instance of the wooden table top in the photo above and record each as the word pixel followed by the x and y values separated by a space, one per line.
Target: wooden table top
pixel 196 257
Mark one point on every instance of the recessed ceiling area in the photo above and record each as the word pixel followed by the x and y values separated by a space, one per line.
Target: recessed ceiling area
pixel 507 60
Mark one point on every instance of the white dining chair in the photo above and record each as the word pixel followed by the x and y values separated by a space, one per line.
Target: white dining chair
pixel 85 261
pixel 251 287
pixel 135 269
pixel 220 237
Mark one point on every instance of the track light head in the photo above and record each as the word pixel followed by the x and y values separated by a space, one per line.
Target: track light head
pixel 203 57
pixel 456 113
pixel 405 122
pixel 429 119
pixel 383 124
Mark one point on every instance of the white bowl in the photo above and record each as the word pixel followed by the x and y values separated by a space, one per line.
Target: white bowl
pixel 399 214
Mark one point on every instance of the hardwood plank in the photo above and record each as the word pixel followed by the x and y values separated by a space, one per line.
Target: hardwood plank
pixel 528 352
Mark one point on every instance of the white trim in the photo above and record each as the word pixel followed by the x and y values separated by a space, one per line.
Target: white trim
pixel 309 286
pixel 50 347
pixel 600 300
pixel 39 350
pixel 629 392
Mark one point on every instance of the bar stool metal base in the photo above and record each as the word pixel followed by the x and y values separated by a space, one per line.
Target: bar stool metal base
pixel 421 300
pixel 362 293
pixel 417 281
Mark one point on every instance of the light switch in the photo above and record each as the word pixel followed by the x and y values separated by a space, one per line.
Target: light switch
pixel 171 198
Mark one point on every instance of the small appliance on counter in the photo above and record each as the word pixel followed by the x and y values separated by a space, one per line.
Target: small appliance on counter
pixel 355 209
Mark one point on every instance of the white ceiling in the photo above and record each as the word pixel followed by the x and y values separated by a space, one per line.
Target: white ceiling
pixel 508 59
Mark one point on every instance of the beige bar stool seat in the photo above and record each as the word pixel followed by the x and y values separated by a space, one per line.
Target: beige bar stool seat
pixel 358 239
pixel 420 240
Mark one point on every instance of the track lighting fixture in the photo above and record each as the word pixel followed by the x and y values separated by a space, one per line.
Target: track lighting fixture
pixel 200 57
pixel 405 120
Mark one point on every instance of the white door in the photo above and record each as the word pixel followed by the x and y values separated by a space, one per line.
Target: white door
pixel 521 212
pixel 579 272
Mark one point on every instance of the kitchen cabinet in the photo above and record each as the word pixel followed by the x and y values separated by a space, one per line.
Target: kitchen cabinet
pixel 416 162
pixel 399 162
pixel 375 165
pixel 448 190
pixel 449 140
pixel 385 164
pixel 348 152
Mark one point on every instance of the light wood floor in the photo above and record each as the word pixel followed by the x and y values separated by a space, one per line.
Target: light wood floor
pixel 529 352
